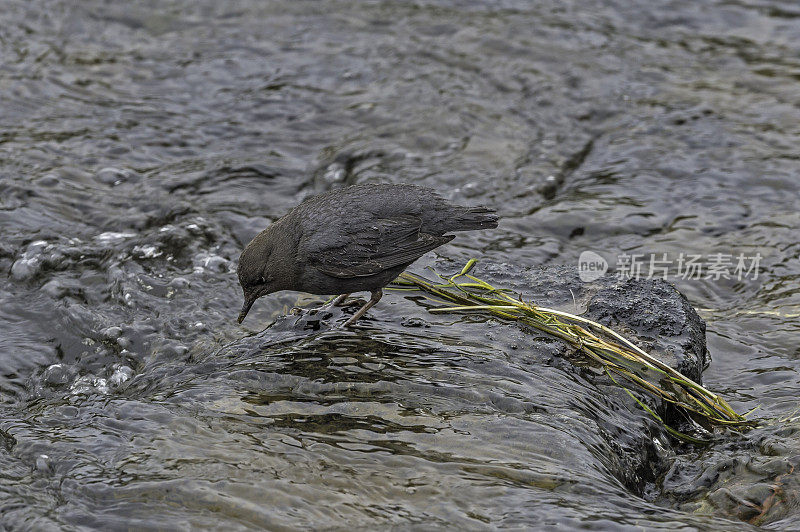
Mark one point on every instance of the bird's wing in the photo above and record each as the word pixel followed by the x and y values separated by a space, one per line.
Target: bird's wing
pixel 374 247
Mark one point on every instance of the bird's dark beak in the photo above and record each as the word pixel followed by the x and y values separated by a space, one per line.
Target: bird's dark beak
pixel 248 302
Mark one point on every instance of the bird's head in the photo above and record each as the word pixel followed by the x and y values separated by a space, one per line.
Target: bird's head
pixel 256 274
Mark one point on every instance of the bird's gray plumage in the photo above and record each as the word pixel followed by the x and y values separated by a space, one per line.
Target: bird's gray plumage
pixel 352 239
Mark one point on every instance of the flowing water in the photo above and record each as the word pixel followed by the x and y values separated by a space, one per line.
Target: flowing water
pixel 142 144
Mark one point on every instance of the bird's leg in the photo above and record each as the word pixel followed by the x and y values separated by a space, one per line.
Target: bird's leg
pixel 376 296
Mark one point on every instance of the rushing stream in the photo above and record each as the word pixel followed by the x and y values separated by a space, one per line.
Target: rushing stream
pixel 142 144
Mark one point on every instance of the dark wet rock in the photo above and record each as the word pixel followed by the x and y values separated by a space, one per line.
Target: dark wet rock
pixel 752 479
pixel 650 312
pixel 625 440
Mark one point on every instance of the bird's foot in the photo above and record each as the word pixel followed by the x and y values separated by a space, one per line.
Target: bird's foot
pixel 376 296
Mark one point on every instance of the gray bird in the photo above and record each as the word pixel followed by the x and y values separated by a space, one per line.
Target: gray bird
pixel 350 240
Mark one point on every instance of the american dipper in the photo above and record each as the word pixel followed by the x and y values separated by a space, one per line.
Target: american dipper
pixel 352 239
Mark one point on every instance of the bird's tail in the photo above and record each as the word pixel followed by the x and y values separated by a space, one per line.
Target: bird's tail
pixel 475 218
